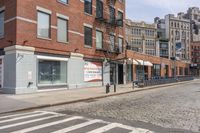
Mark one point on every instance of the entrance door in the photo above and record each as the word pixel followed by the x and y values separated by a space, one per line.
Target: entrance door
pixel 120 74
pixel 112 74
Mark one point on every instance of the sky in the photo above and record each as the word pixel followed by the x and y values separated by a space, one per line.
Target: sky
pixel 147 10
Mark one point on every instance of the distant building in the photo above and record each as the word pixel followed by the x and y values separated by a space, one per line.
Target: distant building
pixel 163 42
pixel 193 14
pixel 142 37
pixel 195 54
pixel 177 31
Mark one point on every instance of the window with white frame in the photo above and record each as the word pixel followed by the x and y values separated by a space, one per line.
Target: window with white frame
pixel 1 23
pixel 63 1
pixel 62 32
pixel 99 39
pixel 120 44
pixel 43 25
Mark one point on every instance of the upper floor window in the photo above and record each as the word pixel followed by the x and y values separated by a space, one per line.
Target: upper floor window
pixel 1 23
pixel 62 31
pixel 120 18
pixel 112 42
pixel 99 9
pixel 63 1
pixel 112 14
pixel 99 39
pixel 88 6
pixel 120 44
pixel 43 25
pixel 88 36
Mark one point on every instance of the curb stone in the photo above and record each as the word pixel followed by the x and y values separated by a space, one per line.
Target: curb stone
pixel 93 98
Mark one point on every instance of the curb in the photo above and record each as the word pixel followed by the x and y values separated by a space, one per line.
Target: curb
pixel 92 98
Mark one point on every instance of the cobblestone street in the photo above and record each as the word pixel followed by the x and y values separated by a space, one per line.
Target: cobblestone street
pixel 170 107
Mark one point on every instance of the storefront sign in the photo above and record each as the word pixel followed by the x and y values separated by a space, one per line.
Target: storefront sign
pixel 92 71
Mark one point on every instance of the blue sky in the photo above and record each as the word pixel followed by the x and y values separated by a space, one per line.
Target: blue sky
pixel 146 10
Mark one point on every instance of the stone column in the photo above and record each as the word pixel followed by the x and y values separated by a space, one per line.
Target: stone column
pixel 19 70
pixel 75 71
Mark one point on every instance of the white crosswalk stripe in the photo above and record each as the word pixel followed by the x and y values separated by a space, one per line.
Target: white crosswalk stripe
pixel 27 122
pixel 77 126
pixel 47 125
pixel 43 120
pixel 22 117
pixel 8 116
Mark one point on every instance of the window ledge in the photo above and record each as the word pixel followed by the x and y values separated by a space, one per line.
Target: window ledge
pixel 66 4
pixel 88 14
pixel 86 46
pixel 63 42
pixel 44 38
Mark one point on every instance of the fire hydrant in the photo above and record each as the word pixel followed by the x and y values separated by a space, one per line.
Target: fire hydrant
pixel 107 88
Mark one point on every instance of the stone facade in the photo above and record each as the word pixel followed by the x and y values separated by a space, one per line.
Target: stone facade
pixel 142 37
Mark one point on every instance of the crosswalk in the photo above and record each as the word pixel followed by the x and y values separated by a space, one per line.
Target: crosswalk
pixel 52 122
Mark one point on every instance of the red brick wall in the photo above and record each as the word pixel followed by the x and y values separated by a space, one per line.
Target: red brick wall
pixel 75 11
pixel 156 60
pixel 10 28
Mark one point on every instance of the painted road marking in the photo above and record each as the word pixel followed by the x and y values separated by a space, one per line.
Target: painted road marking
pixel 30 121
pixel 68 129
pixel 47 125
pixel 3 117
pixel 118 125
pixel 23 117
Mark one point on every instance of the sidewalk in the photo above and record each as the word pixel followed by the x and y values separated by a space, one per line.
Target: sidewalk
pixel 11 103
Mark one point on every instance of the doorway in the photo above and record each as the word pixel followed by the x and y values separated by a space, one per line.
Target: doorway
pixel 120 74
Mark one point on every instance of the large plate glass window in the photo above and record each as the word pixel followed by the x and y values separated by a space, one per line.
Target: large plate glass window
pixel 52 72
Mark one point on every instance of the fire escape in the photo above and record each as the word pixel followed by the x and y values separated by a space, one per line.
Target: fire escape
pixel 105 15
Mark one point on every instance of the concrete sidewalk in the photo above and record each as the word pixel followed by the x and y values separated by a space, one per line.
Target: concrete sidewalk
pixel 11 103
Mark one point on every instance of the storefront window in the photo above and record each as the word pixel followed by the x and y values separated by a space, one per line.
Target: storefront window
pixel 52 72
pixel 129 73
pixel 156 70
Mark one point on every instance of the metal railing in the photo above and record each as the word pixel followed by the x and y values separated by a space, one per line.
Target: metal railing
pixel 161 80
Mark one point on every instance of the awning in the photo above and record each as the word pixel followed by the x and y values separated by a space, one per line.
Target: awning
pixel 145 63
pixel 140 62
pixel 135 62
pixel 132 61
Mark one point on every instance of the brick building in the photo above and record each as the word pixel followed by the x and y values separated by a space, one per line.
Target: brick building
pixel 62 43
pixel 69 44
pixel 195 54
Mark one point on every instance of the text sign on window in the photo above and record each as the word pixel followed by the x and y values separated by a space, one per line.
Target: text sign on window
pixel 92 71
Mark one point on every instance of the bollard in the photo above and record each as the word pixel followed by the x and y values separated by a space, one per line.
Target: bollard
pixel 107 88
pixel 115 87
pixel 133 87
